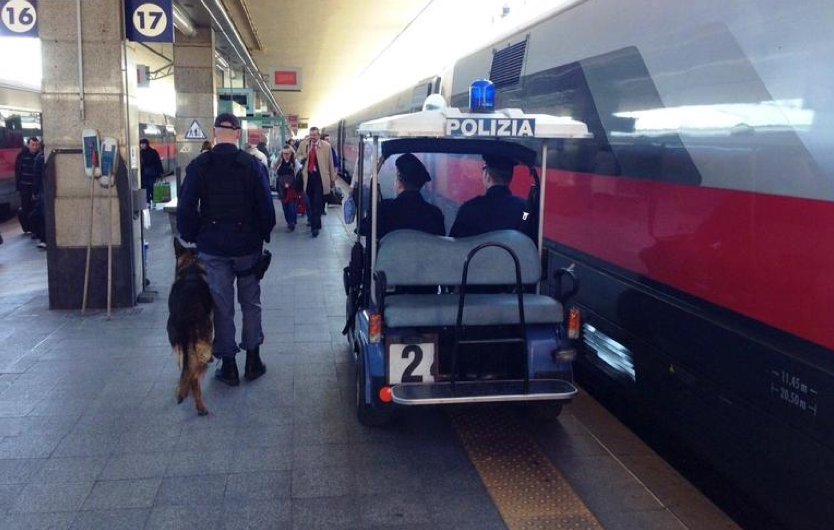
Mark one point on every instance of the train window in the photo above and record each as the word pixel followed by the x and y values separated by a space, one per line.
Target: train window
pixel 418 96
pixel 597 91
pixel 12 133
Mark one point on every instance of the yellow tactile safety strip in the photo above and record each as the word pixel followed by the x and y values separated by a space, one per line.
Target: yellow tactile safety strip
pixel 526 487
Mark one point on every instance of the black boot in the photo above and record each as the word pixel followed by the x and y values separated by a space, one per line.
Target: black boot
pixel 227 373
pixel 254 366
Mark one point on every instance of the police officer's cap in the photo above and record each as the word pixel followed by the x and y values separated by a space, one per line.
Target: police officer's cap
pixel 411 170
pixel 227 121
pixel 501 163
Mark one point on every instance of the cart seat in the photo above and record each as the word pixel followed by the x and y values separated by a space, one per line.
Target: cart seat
pixel 435 310
pixel 409 258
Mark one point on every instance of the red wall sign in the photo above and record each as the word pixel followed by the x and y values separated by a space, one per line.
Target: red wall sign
pixel 286 79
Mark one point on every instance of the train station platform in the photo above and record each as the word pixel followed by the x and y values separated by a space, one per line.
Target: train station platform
pixel 91 436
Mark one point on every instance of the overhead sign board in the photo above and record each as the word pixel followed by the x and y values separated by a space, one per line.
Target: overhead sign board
pixel 491 127
pixel 149 20
pixel 19 18
pixel 195 132
pixel 286 79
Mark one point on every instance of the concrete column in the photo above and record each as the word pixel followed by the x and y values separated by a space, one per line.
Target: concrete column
pixel 194 81
pixel 109 105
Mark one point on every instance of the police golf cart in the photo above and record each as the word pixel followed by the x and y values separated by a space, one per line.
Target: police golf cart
pixel 438 320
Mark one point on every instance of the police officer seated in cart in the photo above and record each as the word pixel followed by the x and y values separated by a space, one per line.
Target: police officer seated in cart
pixel 409 210
pixel 498 209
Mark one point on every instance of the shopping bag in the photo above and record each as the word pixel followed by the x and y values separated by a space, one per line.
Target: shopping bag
pixel 161 191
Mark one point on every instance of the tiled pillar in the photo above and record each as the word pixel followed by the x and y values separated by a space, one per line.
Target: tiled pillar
pixel 109 105
pixel 196 97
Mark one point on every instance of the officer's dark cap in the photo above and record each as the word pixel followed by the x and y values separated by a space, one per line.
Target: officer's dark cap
pixel 227 121
pixel 501 163
pixel 411 170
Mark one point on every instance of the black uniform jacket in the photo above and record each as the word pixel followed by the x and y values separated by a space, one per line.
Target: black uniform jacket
pixel 237 233
pixel 409 210
pixel 499 209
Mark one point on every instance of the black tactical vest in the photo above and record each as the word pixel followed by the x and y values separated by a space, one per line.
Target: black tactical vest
pixel 227 192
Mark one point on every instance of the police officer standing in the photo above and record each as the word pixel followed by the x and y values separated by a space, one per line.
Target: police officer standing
pixel 409 210
pixel 499 209
pixel 226 208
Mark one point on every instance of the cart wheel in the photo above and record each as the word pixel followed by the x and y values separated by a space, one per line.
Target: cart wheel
pixel 541 410
pixel 374 414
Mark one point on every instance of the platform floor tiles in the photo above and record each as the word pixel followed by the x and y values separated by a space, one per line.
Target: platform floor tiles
pixel 91 436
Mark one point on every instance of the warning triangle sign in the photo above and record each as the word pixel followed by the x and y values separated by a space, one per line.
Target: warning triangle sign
pixel 195 132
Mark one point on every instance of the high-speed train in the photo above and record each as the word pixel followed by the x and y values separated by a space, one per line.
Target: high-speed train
pixel 700 220
pixel 20 119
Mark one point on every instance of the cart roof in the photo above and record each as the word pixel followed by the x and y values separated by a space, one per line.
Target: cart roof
pixel 515 151
pixel 450 122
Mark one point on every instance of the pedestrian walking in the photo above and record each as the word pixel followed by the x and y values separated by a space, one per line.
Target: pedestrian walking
pixel 318 173
pixel 226 209
pixel 336 162
pixel 151 166
pixel 24 178
pixel 286 168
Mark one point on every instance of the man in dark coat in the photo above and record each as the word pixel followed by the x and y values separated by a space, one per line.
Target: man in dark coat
pixel 409 210
pixel 151 167
pixel 37 219
pixel 498 209
pixel 226 208
pixel 24 179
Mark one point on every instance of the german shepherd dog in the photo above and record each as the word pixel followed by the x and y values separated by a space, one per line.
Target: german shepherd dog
pixel 190 327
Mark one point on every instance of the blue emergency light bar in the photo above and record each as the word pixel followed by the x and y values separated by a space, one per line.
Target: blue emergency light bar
pixel 481 96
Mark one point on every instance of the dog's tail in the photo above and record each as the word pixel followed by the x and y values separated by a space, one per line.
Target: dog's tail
pixel 185 375
pixel 184 349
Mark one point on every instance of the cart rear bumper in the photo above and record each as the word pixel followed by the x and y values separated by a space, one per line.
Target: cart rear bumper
pixel 482 392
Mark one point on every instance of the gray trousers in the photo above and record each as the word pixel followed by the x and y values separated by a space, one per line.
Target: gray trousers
pixel 221 279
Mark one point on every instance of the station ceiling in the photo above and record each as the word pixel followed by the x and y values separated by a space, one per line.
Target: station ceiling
pixel 332 41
